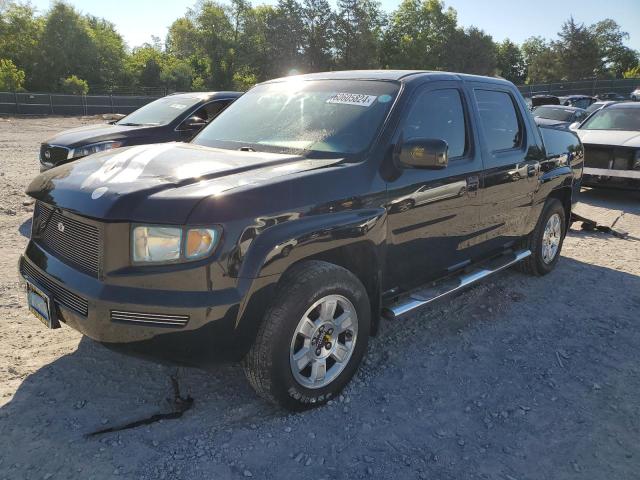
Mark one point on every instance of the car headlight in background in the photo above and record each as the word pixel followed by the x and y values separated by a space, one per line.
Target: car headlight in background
pixel 159 244
pixel 93 148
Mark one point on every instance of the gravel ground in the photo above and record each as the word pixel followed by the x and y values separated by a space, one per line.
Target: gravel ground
pixel 518 378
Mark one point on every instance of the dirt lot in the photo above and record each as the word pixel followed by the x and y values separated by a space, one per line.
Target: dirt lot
pixel 518 378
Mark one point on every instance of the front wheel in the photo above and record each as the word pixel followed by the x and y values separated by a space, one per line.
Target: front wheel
pixel 312 338
pixel 545 242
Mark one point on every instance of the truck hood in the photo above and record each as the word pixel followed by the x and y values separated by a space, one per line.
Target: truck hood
pixel 621 138
pixel 76 137
pixel 158 183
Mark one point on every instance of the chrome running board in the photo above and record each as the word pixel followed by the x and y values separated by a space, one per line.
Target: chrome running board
pixel 437 291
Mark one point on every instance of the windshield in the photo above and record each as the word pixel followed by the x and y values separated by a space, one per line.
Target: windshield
pixel 614 119
pixel 561 114
pixel 316 117
pixel 595 106
pixel 160 112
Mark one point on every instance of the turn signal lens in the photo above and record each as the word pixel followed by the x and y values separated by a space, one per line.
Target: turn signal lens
pixel 200 242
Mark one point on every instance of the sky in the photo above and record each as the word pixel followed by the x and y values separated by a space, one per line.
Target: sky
pixel 138 20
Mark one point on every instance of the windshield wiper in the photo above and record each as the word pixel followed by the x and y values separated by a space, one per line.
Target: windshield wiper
pixel 129 124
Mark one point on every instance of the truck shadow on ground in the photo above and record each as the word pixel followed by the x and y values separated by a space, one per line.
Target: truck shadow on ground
pixel 487 333
pixel 25 228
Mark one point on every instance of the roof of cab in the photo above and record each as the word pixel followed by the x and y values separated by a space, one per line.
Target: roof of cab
pixel 562 107
pixel 388 75
pixel 205 95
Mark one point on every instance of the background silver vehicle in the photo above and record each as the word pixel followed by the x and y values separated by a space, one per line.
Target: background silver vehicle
pixel 611 139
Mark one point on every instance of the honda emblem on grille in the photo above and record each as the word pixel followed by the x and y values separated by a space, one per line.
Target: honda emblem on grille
pixel 61 227
pixel 47 154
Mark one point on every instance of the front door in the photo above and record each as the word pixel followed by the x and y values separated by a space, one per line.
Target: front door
pixel 431 213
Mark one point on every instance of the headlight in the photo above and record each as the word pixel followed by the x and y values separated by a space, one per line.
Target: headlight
pixel 158 244
pixel 93 148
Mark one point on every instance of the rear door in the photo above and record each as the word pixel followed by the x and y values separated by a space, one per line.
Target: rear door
pixel 433 212
pixel 511 154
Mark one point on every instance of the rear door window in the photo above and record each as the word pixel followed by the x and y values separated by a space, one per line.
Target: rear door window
pixel 439 114
pixel 500 121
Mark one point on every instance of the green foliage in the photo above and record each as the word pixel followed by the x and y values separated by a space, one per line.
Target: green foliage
pixel 418 35
pixel 74 86
pixel 633 72
pixel 471 51
pixel 234 45
pixel 541 60
pixel 11 78
pixel 358 32
pixel 510 62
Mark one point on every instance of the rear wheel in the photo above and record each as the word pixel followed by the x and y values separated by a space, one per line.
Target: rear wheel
pixel 312 338
pixel 545 242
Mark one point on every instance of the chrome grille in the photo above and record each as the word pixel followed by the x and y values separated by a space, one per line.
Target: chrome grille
pixel 150 319
pixel 61 295
pixel 71 240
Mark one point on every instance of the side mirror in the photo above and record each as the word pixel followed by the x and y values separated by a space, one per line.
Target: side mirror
pixel 424 153
pixel 574 126
pixel 193 123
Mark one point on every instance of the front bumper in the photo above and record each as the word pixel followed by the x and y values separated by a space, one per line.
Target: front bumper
pixel 181 325
pixel 609 177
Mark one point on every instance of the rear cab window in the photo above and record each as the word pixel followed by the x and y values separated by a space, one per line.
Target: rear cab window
pixel 501 123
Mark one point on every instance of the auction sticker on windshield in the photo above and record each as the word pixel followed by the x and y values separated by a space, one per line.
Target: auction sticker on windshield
pixel 352 99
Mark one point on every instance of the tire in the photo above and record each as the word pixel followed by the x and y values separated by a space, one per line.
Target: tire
pixel 307 293
pixel 539 263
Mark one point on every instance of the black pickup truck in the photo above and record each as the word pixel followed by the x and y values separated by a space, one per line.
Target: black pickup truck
pixel 310 208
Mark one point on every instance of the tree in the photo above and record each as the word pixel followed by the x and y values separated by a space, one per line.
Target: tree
pixel 145 65
pixel 358 33
pixel 319 21
pixel 470 51
pixel 176 74
pixel 20 31
pixel 74 85
pixel 615 57
pixel 11 78
pixel 633 72
pixel 578 52
pixel 541 59
pixel 109 54
pixel 65 48
pixel 510 63
pixel 417 36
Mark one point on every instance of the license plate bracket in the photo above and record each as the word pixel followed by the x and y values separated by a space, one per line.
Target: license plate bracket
pixel 40 303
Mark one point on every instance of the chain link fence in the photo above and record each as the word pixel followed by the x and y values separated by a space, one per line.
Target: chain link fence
pixel 583 87
pixel 26 103
pixel 125 100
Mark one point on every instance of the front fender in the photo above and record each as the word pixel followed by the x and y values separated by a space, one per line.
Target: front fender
pixel 274 250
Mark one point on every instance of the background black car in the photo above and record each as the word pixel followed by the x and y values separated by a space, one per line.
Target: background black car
pixel 544 99
pixel 176 117
pixel 558 115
